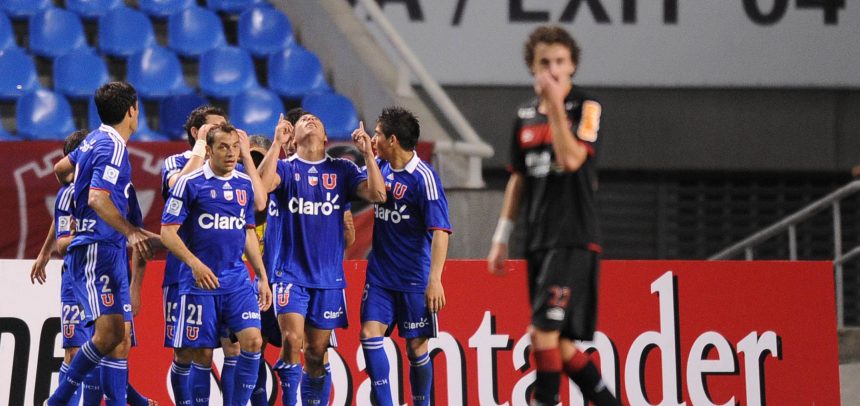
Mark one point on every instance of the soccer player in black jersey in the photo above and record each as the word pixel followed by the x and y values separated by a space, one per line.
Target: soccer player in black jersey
pixel 553 151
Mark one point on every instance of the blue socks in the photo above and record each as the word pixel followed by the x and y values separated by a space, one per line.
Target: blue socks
pixel 377 369
pixel 179 382
pixel 76 397
pixel 312 390
pixel 114 380
pixel 247 369
pixel 198 380
pixel 135 398
pixel 290 375
pixel 258 397
pixel 228 379
pixel 87 358
pixel 92 388
pixel 326 389
pixel 421 379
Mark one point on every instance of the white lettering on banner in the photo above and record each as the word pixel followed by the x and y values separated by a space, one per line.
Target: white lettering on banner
pixel 671 35
pixel 311 208
pixel 35 331
pixel 216 221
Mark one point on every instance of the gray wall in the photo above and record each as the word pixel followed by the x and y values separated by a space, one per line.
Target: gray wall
pixel 697 129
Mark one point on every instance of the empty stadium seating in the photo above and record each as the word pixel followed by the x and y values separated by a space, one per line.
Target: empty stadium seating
pixel 43 115
pixel 178 54
pixel 336 112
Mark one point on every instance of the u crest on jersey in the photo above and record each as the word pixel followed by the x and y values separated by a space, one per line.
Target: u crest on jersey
pixel 170 331
pixel 329 180
pixel 241 196
pixel 399 190
pixel 69 330
pixel 192 332
pixel 107 299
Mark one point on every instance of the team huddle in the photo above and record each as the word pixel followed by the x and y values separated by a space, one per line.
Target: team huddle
pixel 215 195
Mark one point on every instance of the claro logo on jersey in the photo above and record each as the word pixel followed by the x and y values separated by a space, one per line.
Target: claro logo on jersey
pixel 395 216
pixel 208 221
pixel 311 208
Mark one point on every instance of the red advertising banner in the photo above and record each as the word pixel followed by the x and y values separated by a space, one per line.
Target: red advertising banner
pixel 28 189
pixel 670 333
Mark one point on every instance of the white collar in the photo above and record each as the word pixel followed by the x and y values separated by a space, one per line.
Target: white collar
pixel 295 157
pixel 209 173
pixel 413 163
pixel 112 131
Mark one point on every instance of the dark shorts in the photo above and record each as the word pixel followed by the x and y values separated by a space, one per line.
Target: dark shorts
pixel 563 291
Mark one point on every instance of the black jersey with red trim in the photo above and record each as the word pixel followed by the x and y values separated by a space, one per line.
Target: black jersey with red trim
pixel 560 206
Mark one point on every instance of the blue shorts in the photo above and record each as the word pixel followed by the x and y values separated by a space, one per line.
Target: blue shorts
pixel 203 318
pixel 72 314
pixel 324 309
pixel 407 310
pixel 100 274
pixel 170 301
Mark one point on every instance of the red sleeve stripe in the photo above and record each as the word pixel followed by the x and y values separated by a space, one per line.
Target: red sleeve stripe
pixel 447 230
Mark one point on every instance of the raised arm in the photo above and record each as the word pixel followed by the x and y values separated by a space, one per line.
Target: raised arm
pixel 510 207
pixel 268 167
pixel 261 195
pixel 198 155
pixel 372 190
pixel 570 154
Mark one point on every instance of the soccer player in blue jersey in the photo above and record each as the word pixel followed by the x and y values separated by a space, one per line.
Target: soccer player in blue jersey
pixel 311 190
pixel 404 272
pixel 102 174
pixel 215 204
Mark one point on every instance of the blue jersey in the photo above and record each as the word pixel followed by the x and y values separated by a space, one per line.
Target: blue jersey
pixel 135 215
pixel 63 211
pixel 273 236
pixel 310 201
pixel 172 166
pixel 403 226
pixel 217 211
pixel 101 162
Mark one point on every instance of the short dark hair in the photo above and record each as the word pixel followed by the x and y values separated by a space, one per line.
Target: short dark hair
pixel 113 101
pixel 262 142
pixel 73 140
pixel 223 127
pixel 295 114
pixel 550 34
pixel 197 118
pixel 402 123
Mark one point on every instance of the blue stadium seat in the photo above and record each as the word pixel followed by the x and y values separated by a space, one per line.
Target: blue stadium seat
pixel 79 73
pixel 226 71
pixel 21 9
pixel 7 36
pixel 256 111
pixel 144 133
pixel 92 9
pixel 164 8
pixel 124 32
pixel 19 73
pixel 43 115
pixel 194 31
pixel 264 31
pixel 156 73
pixel 174 110
pixel 295 72
pixel 335 111
pixel 55 31
pixel 232 6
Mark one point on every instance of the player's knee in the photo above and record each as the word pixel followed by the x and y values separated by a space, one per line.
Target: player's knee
pixel 368 331
pixel 202 356
pixel 416 346
pixel 182 356
pixel 293 341
pixel 314 355
pixel 254 343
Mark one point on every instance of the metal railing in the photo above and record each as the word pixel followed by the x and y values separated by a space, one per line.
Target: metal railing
pixel 789 225
pixel 471 146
